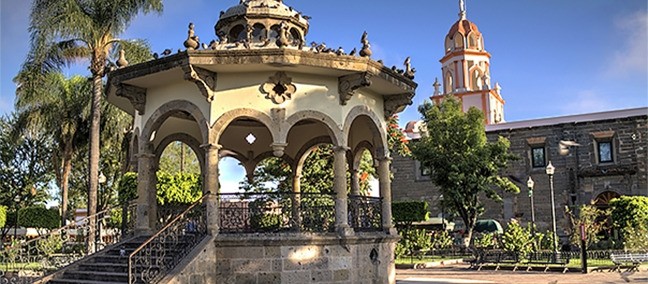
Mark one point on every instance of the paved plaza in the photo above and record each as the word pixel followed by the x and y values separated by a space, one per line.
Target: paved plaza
pixel 462 275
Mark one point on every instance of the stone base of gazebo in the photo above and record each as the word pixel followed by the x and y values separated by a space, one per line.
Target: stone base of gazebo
pixel 290 258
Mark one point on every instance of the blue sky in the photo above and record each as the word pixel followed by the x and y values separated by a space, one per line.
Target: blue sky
pixel 551 57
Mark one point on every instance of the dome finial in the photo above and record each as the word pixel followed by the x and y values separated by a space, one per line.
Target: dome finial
pixel 462 10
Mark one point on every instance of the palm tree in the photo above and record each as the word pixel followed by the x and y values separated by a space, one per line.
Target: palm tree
pixel 60 108
pixel 63 31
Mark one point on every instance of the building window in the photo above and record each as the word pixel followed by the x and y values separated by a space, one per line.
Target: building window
pixel 422 172
pixel 425 171
pixel 538 157
pixel 605 152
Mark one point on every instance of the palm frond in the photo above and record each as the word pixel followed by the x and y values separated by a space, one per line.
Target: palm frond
pixel 137 51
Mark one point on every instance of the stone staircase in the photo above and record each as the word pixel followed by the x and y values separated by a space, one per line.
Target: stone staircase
pixel 110 267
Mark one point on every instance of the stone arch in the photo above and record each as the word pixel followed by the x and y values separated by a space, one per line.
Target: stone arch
pixel 357 154
pixel 476 78
pixel 186 139
pixel 224 121
pixel 165 111
pixel 379 129
pixel 334 131
pixel 459 41
pixel 449 83
pixel 305 150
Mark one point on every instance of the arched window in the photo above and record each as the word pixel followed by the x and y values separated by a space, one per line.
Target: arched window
pixel 458 39
pixel 449 84
pixel 274 31
pixel 448 44
pixel 295 35
pixel 259 32
pixel 602 201
pixel 476 80
pixel 236 33
pixel 473 42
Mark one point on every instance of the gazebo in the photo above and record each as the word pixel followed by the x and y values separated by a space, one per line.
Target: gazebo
pixel 258 91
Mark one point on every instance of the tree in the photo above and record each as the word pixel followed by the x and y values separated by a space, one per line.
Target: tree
pixel 179 158
pixel 59 108
pixel 592 218
pixel 38 217
pixel 63 31
pixel 464 165
pixel 630 216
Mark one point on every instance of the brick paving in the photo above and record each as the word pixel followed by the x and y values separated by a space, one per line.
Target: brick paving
pixel 461 274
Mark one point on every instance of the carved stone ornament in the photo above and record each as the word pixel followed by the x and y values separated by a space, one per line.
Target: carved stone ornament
pixel 397 103
pixel 347 85
pixel 203 78
pixel 279 88
pixel 136 96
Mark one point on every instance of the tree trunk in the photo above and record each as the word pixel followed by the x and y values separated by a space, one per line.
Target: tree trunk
pixel 93 174
pixel 65 184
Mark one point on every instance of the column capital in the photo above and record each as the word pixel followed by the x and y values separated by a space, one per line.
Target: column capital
pixel 385 159
pixel 278 149
pixel 211 146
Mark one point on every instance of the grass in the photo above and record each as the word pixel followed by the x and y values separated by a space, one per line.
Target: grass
pixel 20 266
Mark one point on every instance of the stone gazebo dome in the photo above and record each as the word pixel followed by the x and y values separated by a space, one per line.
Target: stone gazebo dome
pixel 258 92
pixel 263 19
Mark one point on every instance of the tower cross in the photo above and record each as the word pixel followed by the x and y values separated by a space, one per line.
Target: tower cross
pixel 462 10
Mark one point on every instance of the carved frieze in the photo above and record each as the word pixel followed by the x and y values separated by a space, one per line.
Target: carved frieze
pixel 598 171
pixel 347 85
pixel 136 96
pixel 279 88
pixel 397 103
pixel 203 78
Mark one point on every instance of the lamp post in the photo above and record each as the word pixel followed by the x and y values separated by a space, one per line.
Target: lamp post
pixel 102 180
pixel 530 184
pixel 443 225
pixel 17 202
pixel 550 172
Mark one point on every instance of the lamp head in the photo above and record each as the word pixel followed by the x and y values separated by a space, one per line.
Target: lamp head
pixel 550 169
pixel 530 183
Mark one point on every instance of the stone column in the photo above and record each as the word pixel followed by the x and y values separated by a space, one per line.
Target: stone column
pixel 354 201
pixel 146 213
pixel 355 182
pixel 339 186
pixel 296 202
pixel 211 186
pixel 385 193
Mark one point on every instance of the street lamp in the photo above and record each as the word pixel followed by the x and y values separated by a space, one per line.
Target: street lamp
pixel 443 225
pixel 550 172
pixel 530 184
pixel 17 202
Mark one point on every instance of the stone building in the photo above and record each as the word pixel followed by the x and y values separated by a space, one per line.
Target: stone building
pixel 610 161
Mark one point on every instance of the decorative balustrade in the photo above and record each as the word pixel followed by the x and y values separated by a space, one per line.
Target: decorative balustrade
pixel 23 262
pixel 165 249
pixel 365 213
pixel 276 212
pixel 294 212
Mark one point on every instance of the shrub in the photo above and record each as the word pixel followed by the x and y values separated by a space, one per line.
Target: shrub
pixel 39 217
pixel 484 240
pixel 405 213
pixel 516 238
pixel 588 216
pixel 3 216
pixel 441 240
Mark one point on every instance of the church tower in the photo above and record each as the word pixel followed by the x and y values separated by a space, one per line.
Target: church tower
pixel 466 71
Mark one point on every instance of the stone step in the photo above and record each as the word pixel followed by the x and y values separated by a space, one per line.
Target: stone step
pixel 96 276
pixel 108 267
pixel 119 259
pixel 81 281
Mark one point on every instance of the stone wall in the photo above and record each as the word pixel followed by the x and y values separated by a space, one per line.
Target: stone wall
pixel 292 258
pixel 579 177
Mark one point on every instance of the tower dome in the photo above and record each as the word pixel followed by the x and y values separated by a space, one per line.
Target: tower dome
pixel 261 20
pixel 464 34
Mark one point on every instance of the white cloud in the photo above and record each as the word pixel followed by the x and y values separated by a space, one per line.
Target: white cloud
pixel 585 101
pixel 632 54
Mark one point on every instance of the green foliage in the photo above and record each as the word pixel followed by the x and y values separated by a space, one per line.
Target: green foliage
pixel 38 217
pixel 181 188
pixel 396 140
pixel 25 161
pixel 484 241
pixel 630 211
pixel 441 240
pixel 179 158
pixel 407 212
pixel 127 190
pixel 517 238
pixel 464 165
pixel 635 238
pixel 3 216
pixel 415 241
pixel 594 221
pixel 50 244
pixel 546 240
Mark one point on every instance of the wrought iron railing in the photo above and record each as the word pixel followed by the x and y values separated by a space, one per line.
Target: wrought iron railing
pixel 365 213
pixel 276 212
pixel 23 262
pixel 165 249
